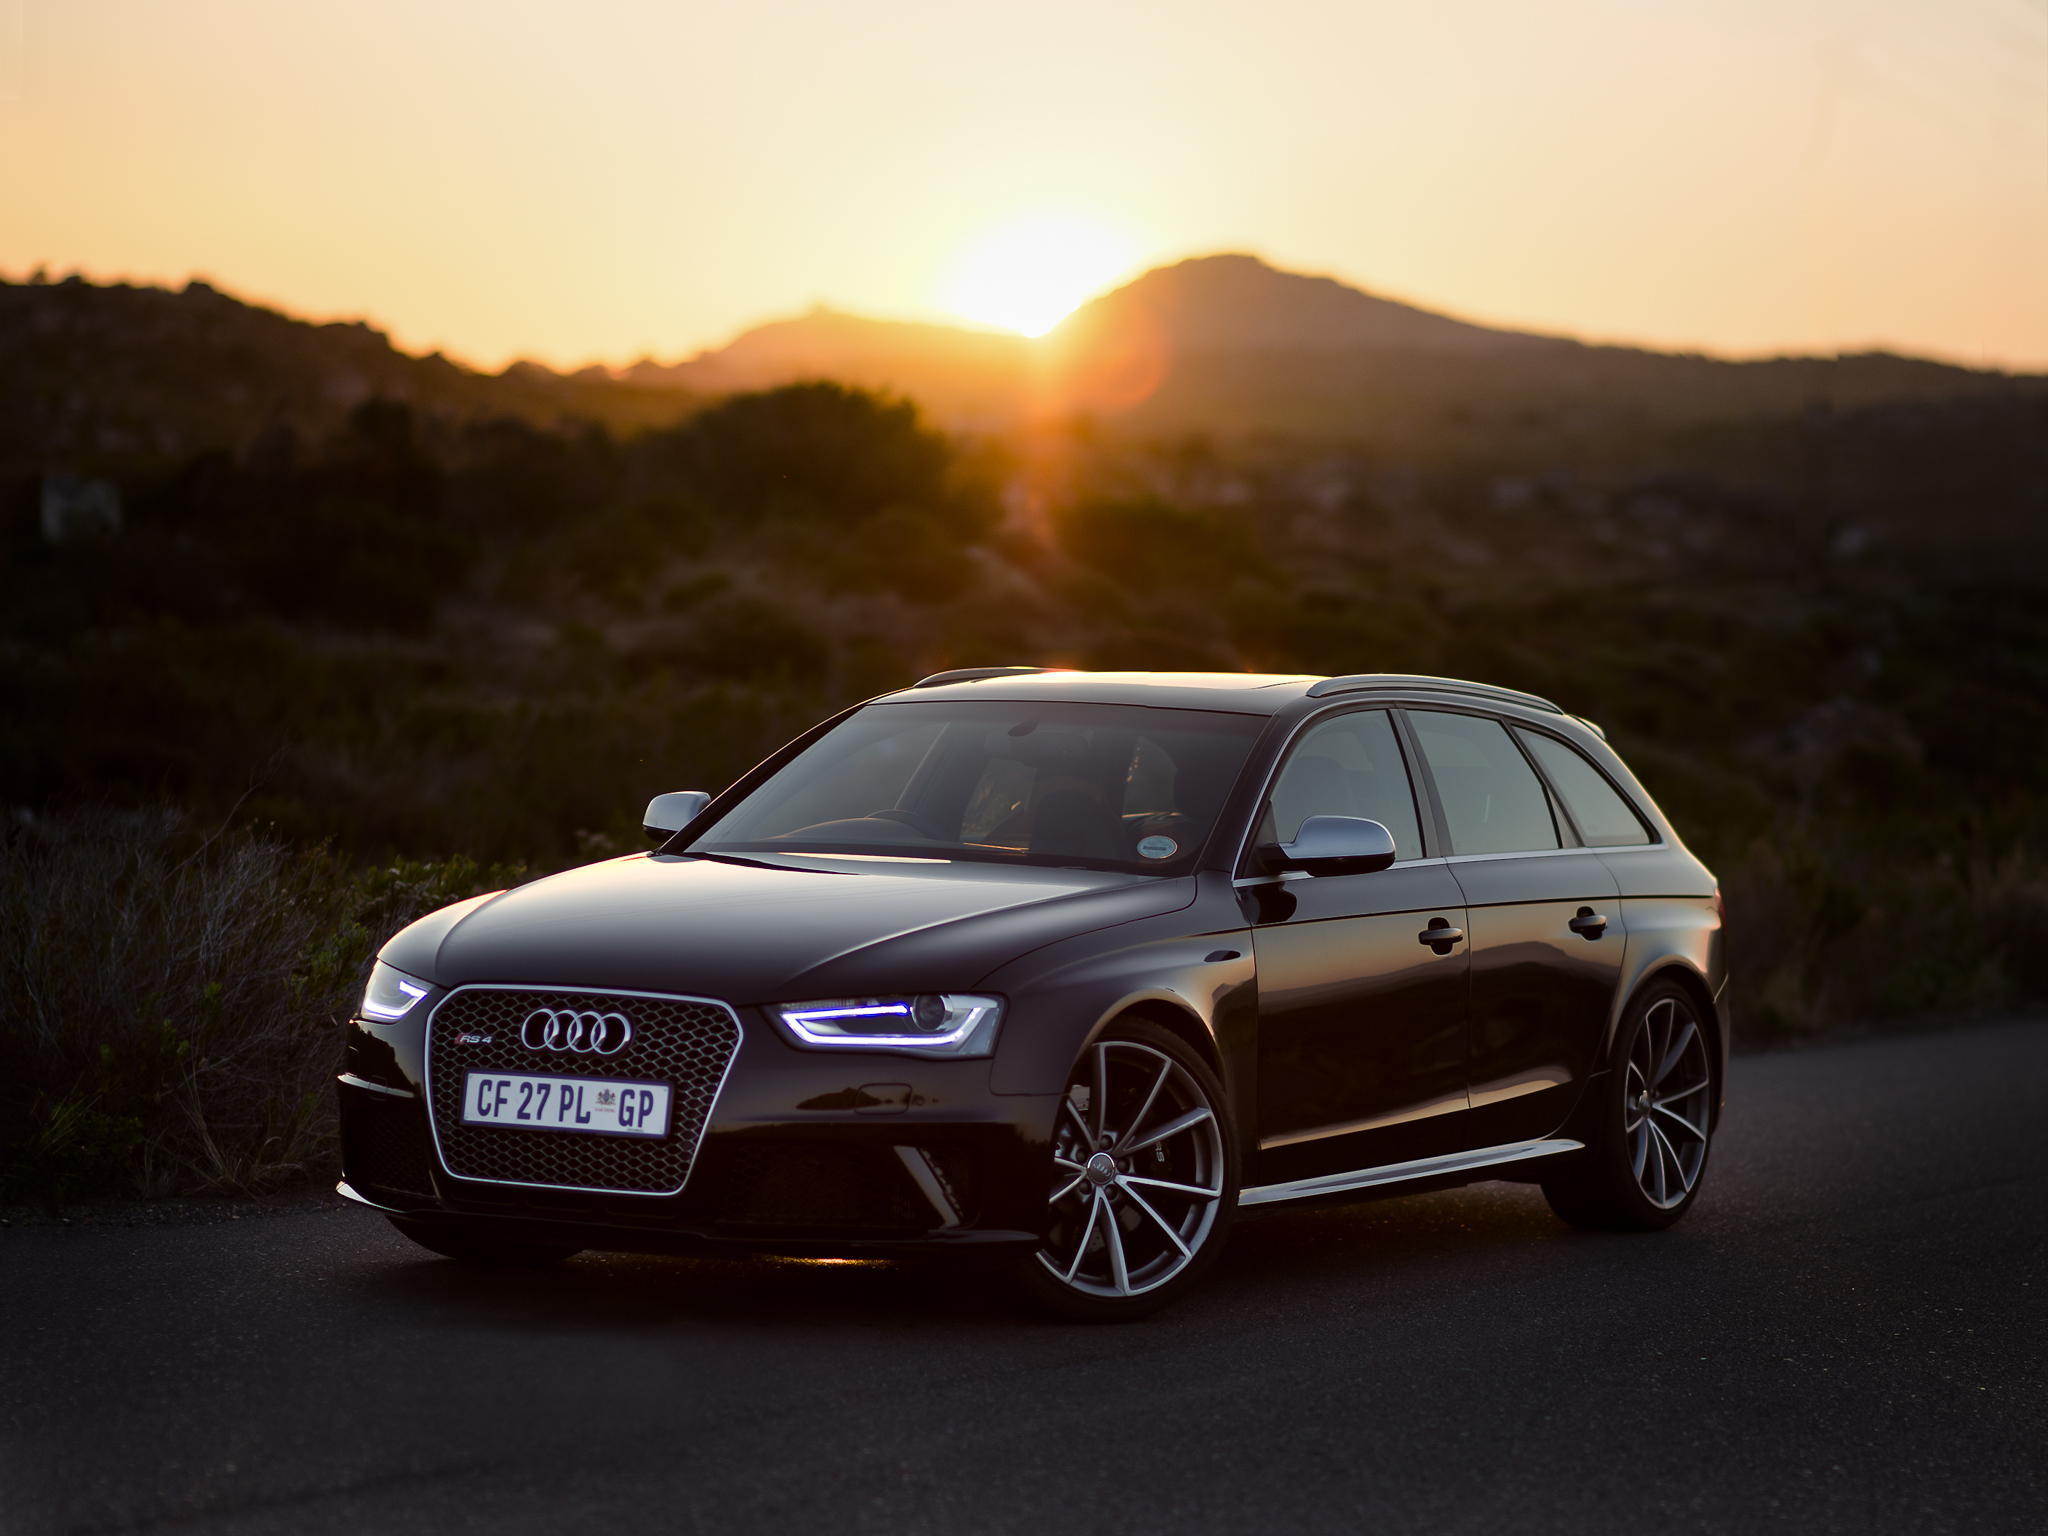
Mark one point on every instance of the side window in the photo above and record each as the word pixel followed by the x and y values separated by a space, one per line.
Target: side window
pixel 1491 796
pixel 1605 819
pixel 1349 766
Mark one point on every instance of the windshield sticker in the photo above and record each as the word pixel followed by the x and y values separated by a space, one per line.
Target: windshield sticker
pixel 1157 848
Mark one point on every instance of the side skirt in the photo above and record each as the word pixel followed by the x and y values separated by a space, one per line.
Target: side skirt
pixel 1401 1173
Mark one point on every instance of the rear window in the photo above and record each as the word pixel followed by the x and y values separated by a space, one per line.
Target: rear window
pixel 1605 819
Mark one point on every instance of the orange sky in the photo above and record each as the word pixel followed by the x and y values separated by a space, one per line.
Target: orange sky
pixel 606 179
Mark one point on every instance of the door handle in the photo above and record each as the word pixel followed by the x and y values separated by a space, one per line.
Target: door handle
pixel 1588 924
pixel 1440 936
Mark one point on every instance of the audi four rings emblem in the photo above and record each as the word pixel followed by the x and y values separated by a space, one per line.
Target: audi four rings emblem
pixel 584 1031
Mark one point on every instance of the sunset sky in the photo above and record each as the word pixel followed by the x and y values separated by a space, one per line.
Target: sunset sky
pixel 606 179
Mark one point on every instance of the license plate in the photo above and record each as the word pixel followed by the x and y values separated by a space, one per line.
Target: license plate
pixel 529 1101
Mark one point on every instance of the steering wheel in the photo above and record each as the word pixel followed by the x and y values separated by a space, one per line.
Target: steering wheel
pixel 910 819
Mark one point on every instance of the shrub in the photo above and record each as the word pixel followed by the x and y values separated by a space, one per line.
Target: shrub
pixel 171 1002
pixel 737 635
pixel 1151 546
pixel 814 451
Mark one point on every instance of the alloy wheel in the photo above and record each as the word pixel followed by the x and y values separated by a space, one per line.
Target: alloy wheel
pixel 1665 1113
pixel 1138 1173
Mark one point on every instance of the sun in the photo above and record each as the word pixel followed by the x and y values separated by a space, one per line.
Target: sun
pixel 1029 274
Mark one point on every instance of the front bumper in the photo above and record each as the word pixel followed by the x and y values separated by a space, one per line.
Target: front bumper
pixel 803 1152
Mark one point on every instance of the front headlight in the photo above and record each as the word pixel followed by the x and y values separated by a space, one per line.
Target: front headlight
pixel 391 994
pixel 931 1024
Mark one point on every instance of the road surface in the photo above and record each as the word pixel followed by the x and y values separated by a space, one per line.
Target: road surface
pixel 1846 1334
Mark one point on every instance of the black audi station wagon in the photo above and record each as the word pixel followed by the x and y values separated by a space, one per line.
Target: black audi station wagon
pixel 1066 968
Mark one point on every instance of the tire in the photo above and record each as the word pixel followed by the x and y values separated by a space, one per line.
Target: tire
pixel 1652 1124
pixel 470 1247
pixel 1136 1217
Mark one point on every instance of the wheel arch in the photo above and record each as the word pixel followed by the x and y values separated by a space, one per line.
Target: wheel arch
pixel 1174 1014
pixel 1673 969
pixel 1171 1014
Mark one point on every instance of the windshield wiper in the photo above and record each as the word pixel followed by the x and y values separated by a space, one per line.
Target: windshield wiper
pixel 747 863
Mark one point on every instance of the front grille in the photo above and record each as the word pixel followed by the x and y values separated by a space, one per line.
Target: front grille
pixel 683 1042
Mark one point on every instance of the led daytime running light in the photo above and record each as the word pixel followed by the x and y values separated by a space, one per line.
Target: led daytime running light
pixel 391 994
pixel 822 1024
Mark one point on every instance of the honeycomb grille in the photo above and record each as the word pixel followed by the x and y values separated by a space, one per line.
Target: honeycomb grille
pixel 685 1044
pixel 384 1146
pixel 814 1186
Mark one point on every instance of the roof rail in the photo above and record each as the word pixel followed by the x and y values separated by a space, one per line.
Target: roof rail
pixel 976 674
pixel 1376 682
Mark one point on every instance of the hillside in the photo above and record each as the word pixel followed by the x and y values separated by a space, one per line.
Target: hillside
pixel 121 381
pixel 114 378
pixel 1237 303
pixel 970 377
pixel 297 694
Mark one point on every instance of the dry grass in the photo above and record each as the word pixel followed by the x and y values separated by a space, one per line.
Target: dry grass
pixel 171 1001
pixel 1826 934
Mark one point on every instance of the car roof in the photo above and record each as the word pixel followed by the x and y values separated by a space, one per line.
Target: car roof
pixel 1249 693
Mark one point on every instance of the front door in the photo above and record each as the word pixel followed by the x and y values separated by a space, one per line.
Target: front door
pixel 1362 1047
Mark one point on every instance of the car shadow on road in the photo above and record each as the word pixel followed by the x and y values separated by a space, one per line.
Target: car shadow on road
pixel 1275 1257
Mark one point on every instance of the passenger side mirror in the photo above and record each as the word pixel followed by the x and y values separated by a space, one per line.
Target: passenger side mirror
pixel 1334 845
pixel 668 814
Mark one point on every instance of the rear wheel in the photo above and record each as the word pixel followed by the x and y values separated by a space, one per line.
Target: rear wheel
pixel 1143 1180
pixel 473 1248
pixel 1652 1125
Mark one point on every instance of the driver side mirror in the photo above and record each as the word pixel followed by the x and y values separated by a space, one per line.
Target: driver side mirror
pixel 1334 845
pixel 668 814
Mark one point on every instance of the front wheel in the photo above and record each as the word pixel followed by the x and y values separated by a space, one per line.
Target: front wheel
pixel 1144 1179
pixel 1642 1168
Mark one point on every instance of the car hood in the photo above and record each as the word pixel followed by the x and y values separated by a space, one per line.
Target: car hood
pixel 782 928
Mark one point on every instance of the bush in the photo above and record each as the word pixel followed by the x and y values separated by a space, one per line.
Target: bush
pixel 740 636
pixel 1150 546
pixel 171 1002
pixel 1815 922
pixel 814 452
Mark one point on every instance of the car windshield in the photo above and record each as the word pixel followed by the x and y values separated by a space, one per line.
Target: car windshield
pixel 1101 786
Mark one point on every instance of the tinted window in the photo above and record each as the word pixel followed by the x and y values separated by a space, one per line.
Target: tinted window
pixel 1605 819
pixel 1492 798
pixel 1099 785
pixel 1349 766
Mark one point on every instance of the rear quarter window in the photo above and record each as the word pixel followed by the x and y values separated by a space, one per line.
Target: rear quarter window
pixel 1604 816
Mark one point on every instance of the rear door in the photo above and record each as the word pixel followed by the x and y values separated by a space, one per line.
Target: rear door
pixel 1361 1023
pixel 1545 920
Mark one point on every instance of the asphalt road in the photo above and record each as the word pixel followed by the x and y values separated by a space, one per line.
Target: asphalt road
pixel 1846 1334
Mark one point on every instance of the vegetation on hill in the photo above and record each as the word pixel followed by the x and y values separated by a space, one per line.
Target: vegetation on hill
pixel 323 680
pixel 118 379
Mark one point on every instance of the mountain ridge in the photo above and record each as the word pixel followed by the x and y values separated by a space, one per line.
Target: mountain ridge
pixel 116 378
pixel 1229 343
pixel 1235 301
